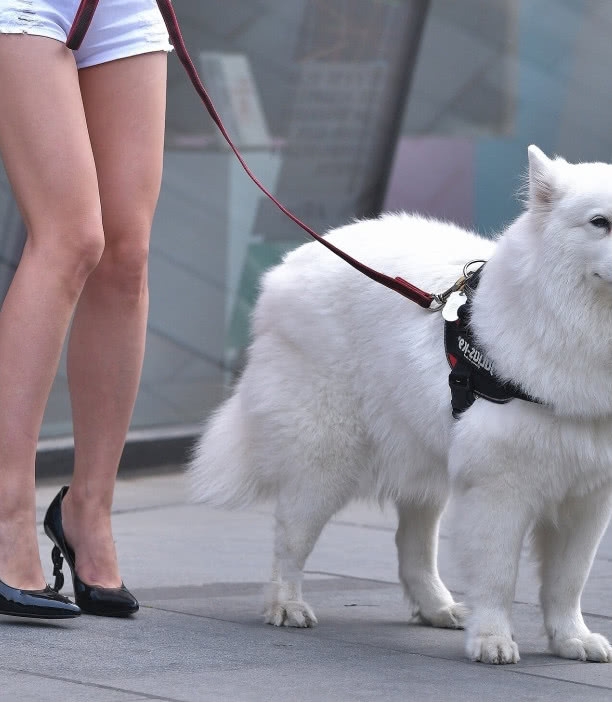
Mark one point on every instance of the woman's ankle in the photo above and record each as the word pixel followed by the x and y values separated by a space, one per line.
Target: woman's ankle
pixel 88 530
pixel 85 502
pixel 20 564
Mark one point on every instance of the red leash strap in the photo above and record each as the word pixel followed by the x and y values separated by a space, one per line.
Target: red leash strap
pixel 80 26
pixel 81 23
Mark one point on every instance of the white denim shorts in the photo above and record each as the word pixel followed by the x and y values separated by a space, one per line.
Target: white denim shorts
pixel 120 28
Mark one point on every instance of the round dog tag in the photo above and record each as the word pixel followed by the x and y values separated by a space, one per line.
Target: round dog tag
pixel 451 308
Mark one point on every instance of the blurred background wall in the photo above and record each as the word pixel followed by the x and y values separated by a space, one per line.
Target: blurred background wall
pixel 343 108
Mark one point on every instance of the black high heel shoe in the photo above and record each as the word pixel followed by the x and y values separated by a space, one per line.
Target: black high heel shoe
pixel 39 604
pixel 103 601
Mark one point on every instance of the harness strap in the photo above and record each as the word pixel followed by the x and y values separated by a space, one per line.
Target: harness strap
pixel 77 33
pixel 472 372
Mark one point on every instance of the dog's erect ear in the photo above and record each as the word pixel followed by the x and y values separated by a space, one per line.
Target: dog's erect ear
pixel 541 179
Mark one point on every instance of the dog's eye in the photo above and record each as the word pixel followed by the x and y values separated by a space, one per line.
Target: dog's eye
pixel 601 222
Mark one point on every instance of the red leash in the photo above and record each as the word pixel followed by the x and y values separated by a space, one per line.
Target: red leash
pixel 78 30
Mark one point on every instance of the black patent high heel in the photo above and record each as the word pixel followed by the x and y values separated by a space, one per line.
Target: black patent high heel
pixel 58 560
pixel 39 604
pixel 92 599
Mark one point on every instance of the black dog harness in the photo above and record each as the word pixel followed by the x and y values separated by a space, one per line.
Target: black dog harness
pixel 472 374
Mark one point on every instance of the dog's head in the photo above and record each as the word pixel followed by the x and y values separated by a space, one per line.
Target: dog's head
pixel 571 206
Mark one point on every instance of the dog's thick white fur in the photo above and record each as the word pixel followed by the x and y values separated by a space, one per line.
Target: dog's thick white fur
pixel 345 394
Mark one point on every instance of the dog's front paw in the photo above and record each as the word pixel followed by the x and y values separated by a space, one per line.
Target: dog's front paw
pixel 492 649
pixel 591 647
pixel 452 616
pixel 290 613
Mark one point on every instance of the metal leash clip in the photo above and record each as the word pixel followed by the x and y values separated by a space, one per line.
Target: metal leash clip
pixel 441 299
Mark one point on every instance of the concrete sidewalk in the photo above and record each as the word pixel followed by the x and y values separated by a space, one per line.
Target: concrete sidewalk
pixel 199 636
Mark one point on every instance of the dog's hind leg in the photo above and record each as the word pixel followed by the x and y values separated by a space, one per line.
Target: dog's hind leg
pixel 565 549
pixel 300 518
pixel 417 546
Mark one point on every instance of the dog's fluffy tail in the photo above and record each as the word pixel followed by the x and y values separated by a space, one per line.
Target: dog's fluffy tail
pixel 219 469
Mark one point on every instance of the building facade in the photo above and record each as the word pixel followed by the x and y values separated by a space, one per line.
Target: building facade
pixel 343 108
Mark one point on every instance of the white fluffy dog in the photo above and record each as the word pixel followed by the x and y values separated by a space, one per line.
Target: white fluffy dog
pixel 345 394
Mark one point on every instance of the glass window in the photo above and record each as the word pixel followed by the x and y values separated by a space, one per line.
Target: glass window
pixel 342 108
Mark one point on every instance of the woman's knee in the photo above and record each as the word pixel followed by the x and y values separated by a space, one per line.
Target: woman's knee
pixel 71 246
pixel 124 264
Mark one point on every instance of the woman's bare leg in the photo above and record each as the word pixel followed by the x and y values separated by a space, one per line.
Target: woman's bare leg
pixel 47 155
pixel 125 106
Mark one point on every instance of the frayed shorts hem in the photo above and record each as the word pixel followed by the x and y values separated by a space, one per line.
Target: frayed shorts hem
pixel 133 50
pixel 146 47
pixel 34 32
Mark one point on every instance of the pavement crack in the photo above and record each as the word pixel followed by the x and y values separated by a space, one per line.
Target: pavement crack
pixel 522 671
pixel 403 651
pixel 351 577
pixel 100 686
pixel 458 593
